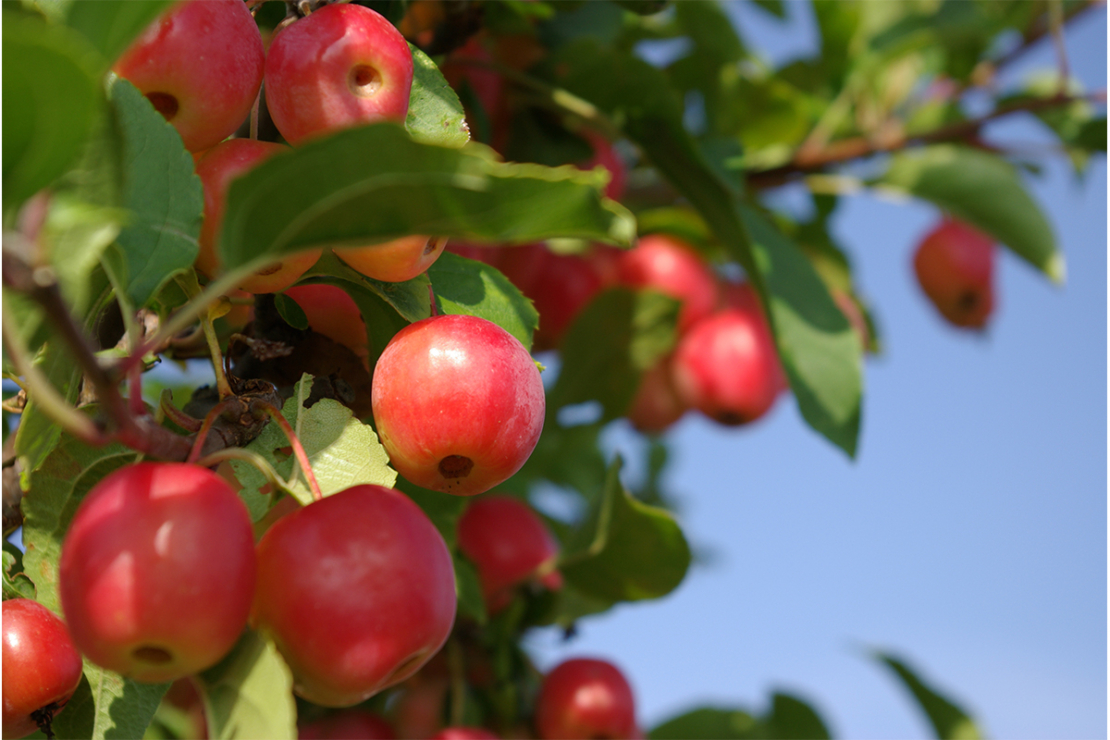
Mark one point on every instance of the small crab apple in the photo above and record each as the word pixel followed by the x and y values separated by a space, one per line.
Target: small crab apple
pixel 331 311
pixel 41 666
pixel 656 405
pixel 157 571
pixel 669 265
pixel 585 698
pixel 458 403
pixel 344 65
pixel 559 285
pixel 357 591
pixel 394 261
pixel 726 367
pixel 200 64
pixel 465 733
pixel 216 169
pixel 508 543
pixel 605 155
pixel 954 264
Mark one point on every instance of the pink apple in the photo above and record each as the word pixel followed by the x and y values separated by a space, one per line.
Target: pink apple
pixel 357 591
pixel 200 64
pixel 656 405
pixel 157 571
pixel 347 724
pixel 669 265
pixel 394 261
pixel 458 403
pixel 216 169
pixel 344 65
pixel 465 733
pixel 726 367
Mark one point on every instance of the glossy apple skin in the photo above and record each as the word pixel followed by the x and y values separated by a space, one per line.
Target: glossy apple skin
pixel 726 367
pixel 584 698
pixel 507 542
pixel 669 265
pixel 332 312
pixel 954 264
pixel 352 724
pixel 559 285
pixel 217 169
pixel 394 261
pixel 458 403
pixel 157 571
pixel 344 65
pixel 41 666
pixel 201 66
pixel 357 592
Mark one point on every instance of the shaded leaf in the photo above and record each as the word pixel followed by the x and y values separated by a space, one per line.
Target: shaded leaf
pixel 162 192
pixel 466 286
pixel 620 334
pixel 790 718
pixel 324 194
pixel 627 550
pixel 249 694
pixel 16 583
pixel 111 25
pixel 107 705
pixel 707 723
pixel 51 97
pixel 986 192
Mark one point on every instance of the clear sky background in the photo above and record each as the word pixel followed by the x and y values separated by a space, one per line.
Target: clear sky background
pixel 969 536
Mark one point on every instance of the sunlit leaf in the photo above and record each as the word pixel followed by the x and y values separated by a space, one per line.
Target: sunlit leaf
pixel 249 694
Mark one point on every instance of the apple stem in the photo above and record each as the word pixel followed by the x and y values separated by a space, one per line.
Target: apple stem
pixel 248 456
pixel 206 426
pixel 298 448
pixel 432 299
pixel 176 415
pixel 222 383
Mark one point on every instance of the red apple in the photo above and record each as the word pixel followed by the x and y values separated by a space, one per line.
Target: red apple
pixel 344 65
pixel 605 155
pixel 458 403
pixel 41 667
pixel 954 264
pixel 349 724
pixel 200 64
pixel 216 169
pixel 465 733
pixel 357 591
pixel 669 265
pixel 559 285
pixel 332 312
pixel 157 571
pixel 727 368
pixel 507 542
pixel 585 698
pixel 394 261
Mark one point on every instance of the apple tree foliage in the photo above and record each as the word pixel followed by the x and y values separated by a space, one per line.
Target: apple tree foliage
pixel 103 286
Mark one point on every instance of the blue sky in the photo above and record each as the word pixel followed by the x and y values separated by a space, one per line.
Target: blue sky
pixel 969 536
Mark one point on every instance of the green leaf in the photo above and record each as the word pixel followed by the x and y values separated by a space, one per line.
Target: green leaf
pixel 16 583
pixel 342 451
pixel 249 694
pixel 435 113
pixel 51 101
pixel 707 723
pixel 820 354
pixel 56 489
pixel 324 194
pixel 983 190
pixel 819 349
pixel 949 720
pixel 111 25
pixel 790 718
pixel 620 334
pixel 290 311
pixel 466 286
pixel 471 603
pixel 161 190
pixel 107 705
pixel 627 550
